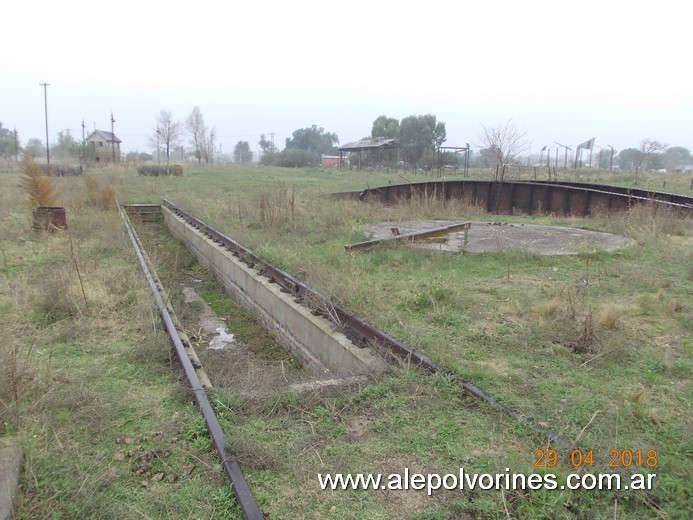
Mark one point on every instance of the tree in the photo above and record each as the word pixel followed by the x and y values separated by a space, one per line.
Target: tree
pixel 195 124
pixel 34 148
pixel 242 153
pixel 138 157
pixel 313 140
pixel 66 147
pixel 648 154
pixel 676 157
pixel 419 134
pixel 295 158
pixel 627 158
pixel 9 143
pixel 387 127
pixel 266 146
pixel 503 143
pixel 169 133
pixel 268 150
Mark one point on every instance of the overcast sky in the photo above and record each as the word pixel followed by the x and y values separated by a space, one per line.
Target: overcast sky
pixel 561 71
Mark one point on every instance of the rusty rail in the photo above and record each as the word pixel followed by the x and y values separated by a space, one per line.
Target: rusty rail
pixel 414 236
pixel 244 497
pixel 356 329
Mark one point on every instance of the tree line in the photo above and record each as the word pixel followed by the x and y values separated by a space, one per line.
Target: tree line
pixel 419 139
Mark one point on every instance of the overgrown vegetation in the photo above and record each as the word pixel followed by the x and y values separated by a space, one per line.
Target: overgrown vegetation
pixel 38 187
pixel 595 346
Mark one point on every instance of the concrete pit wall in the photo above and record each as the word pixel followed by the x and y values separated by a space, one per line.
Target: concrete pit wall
pixel 557 198
pixel 312 339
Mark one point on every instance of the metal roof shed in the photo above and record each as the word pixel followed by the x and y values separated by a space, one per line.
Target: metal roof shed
pixel 376 143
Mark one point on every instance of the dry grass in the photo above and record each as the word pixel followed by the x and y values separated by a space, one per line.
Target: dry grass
pixel 39 188
pixel 548 309
pixel 98 196
pixel 610 315
pixel 277 207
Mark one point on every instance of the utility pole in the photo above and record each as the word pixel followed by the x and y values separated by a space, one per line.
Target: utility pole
pixel 272 141
pixel 45 102
pixel 113 138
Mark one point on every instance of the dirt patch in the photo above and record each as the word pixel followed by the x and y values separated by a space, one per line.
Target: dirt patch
pixel 494 237
pixel 359 427
pixel 209 321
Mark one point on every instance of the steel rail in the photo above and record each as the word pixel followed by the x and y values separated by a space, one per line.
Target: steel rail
pixel 244 496
pixel 356 329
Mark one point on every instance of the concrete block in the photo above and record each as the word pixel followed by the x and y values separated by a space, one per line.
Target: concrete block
pixel 312 339
pixel 11 458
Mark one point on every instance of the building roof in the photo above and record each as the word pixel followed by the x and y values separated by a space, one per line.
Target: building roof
pixel 103 134
pixel 377 143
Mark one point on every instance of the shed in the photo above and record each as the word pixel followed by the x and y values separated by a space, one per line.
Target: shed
pixel 374 144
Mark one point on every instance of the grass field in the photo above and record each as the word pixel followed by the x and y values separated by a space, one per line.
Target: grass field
pixel 596 346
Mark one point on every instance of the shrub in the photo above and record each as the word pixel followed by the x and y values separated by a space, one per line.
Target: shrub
pixel 294 158
pixel 61 170
pixel 156 170
pixel 97 196
pixel 39 188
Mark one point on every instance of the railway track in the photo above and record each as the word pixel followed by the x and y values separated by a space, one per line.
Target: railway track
pixel 244 496
pixel 358 330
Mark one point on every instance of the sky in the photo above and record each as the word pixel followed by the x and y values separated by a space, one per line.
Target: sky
pixel 559 71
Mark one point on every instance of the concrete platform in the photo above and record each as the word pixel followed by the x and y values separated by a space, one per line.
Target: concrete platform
pixel 494 237
pixel 11 458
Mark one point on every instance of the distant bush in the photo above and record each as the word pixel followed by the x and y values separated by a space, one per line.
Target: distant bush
pixel 294 158
pixel 61 170
pixel 155 171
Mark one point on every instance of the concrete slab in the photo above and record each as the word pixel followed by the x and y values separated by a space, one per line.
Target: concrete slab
pixel 494 237
pixel 11 458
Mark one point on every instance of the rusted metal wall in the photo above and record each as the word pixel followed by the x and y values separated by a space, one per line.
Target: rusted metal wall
pixel 558 198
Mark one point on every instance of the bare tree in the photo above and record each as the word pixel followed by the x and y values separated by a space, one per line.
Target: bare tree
pixel 648 147
pixel 169 133
pixel 195 124
pixel 504 143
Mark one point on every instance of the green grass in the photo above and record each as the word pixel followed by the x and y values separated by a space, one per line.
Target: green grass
pixel 101 372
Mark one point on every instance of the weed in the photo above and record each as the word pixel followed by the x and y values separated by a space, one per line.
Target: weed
pixel 97 196
pixel 196 434
pixel 277 207
pixel 548 308
pixel 610 315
